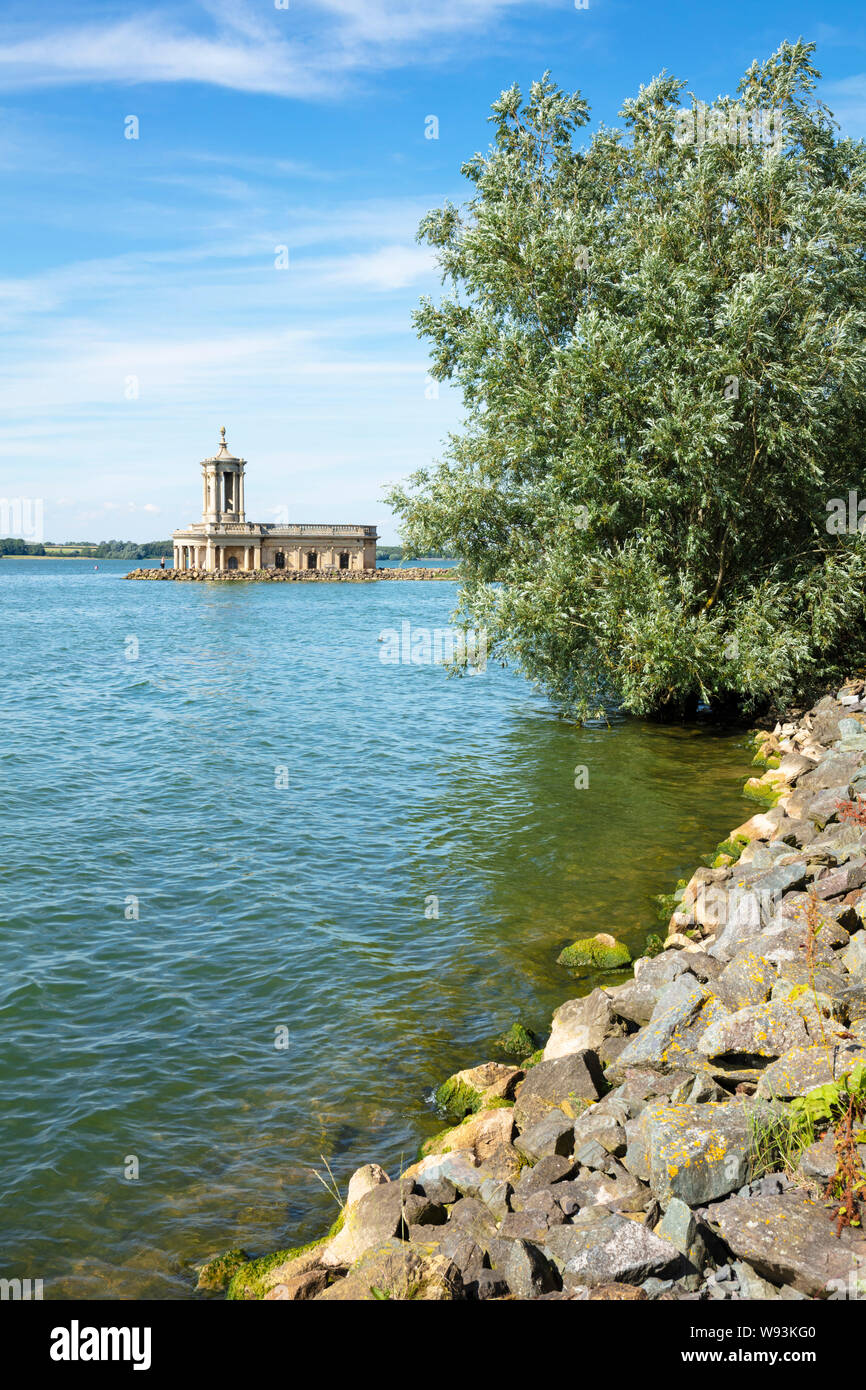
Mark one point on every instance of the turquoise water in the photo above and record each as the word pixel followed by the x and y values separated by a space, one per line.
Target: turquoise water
pixel 169 905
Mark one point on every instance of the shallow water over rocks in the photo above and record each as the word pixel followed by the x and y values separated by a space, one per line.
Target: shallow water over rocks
pixel 229 825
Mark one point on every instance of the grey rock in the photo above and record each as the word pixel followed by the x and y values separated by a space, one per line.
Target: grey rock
pixel 825 720
pixel 546 1203
pixel 831 919
pixel 440 1191
pixel 760 1030
pixel 611 1250
pixel 495 1195
pixel 591 1155
pixel 581 1024
pixel 649 1046
pixel 474 1219
pixel 833 883
pixel 529 1272
pixel 566 1083
pixel 604 1129
pixel 490 1285
pixel 526 1225
pixel 789 1239
pixel 552 1134
pixel 679 1226
pixel 615 1189
pixel 747 979
pixel 835 770
pixel 698 1153
pixel 803 1068
pixel 544 1174
pixel 853 957
pixel 374 1219
pixel 455 1244
pixel 752 1286
pixel 819 1159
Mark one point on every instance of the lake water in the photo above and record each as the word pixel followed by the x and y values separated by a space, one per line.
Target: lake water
pixel 230 841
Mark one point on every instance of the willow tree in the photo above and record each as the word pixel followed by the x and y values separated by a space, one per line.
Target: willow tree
pixel 658 333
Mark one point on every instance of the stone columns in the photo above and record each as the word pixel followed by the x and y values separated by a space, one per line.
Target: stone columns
pixel 257 556
pixel 208 555
pixel 240 498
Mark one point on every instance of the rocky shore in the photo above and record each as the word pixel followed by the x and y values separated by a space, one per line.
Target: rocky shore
pixel 329 576
pixel 692 1129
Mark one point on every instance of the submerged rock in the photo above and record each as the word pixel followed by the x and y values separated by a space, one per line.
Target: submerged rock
pixel 519 1042
pixel 216 1274
pixel 599 952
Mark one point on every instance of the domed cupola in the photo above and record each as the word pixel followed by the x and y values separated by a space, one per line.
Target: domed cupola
pixel 223 482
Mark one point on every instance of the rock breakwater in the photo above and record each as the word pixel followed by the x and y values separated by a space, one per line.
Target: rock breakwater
pixel 695 1132
pixel 329 576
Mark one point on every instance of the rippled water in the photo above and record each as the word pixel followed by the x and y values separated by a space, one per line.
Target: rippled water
pixel 264 907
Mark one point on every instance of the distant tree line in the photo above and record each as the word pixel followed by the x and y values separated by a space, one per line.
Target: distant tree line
pixel 395 552
pixel 13 546
pixel 104 550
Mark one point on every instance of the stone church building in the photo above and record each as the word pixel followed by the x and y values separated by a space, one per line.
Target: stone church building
pixel 225 540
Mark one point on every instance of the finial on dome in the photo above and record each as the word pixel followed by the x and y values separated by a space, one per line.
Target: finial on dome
pixel 223 433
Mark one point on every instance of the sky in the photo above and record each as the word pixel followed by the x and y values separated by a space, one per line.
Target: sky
pixel 144 297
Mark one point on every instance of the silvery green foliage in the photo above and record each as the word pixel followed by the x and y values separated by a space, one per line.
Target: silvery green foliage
pixel 661 352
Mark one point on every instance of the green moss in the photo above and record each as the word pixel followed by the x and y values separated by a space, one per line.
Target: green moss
pixel 217 1273
pixel 248 1281
pixel 592 954
pixel 667 903
pixel 764 792
pixel 338 1224
pixel 518 1042
pixel 500 1103
pixel 455 1099
pixel 766 760
pixel 733 847
pixel 534 1060
pixel 434 1143
pixel 654 944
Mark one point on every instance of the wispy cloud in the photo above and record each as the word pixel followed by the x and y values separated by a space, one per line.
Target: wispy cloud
pixel 296 52
pixel 847 100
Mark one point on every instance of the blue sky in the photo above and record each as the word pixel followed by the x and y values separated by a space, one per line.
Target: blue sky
pixel 261 126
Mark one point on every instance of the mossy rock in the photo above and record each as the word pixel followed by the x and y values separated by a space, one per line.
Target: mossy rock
pixel 667 903
pixel 335 1229
pixel 518 1042
pixel 534 1060
pixel 654 944
pixel 732 848
pixel 434 1145
pixel 456 1099
pixel 599 952
pixel 250 1280
pixel 767 793
pixel 216 1274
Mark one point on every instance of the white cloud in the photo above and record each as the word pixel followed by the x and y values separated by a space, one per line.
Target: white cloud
pixel 285 53
pixel 847 101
